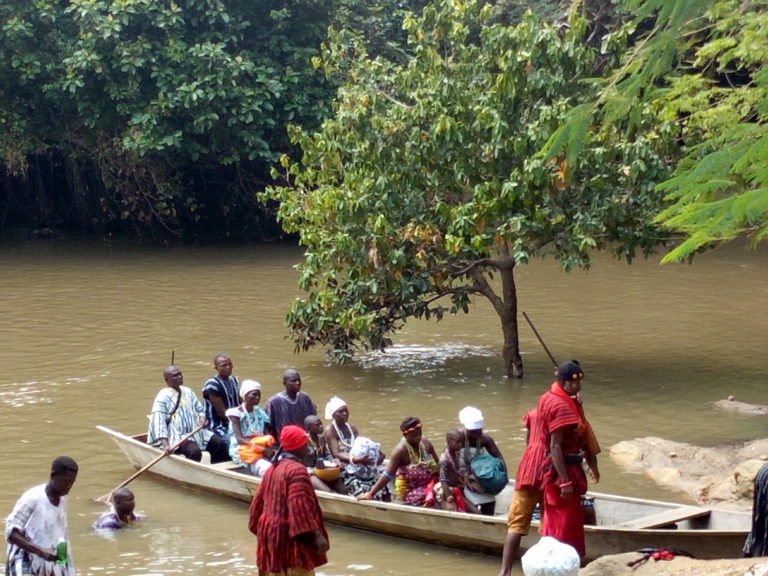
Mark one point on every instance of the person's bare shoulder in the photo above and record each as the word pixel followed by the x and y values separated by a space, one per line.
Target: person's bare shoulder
pixel 329 432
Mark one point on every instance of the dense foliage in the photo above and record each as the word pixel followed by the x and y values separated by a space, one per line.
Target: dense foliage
pixel 164 117
pixel 427 184
pixel 704 65
pixel 720 189
pixel 458 146
pixel 155 112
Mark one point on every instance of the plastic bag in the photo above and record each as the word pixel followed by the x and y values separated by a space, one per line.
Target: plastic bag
pixel 254 451
pixel 550 557
pixel 490 473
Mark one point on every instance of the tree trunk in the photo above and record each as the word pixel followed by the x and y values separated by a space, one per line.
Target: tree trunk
pixel 508 314
pixel 506 308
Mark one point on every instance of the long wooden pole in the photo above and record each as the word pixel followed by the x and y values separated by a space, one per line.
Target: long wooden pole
pixel 105 498
pixel 541 341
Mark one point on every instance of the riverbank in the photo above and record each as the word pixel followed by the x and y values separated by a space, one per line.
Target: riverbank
pixel 617 565
pixel 719 476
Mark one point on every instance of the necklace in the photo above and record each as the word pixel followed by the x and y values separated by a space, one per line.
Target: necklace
pixel 343 439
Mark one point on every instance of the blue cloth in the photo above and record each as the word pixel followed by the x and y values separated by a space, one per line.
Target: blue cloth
pixel 757 541
pixel 251 424
pixel 111 521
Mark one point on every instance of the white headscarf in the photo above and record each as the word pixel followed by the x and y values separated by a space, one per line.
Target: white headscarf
pixel 471 418
pixel 333 404
pixel 248 386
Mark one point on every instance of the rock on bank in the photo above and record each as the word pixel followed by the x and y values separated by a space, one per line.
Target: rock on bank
pixel 720 476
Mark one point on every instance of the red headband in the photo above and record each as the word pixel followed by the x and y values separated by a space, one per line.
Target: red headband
pixel 412 428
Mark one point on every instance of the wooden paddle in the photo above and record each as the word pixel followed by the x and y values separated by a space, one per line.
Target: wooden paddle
pixel 105 498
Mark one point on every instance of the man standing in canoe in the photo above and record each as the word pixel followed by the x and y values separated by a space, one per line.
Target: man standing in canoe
pixel 285 514
pixel 560 438
pixel 289 406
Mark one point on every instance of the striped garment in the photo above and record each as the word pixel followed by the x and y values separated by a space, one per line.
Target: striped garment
pixel 552 413
pixel 43 524
pixel 182 421
pixel 228 391
pixel 284 508
pixel 563 518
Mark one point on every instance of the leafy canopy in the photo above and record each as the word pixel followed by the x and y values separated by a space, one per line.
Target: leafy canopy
pixel 156 96
pixel 704 65
pixel 720 189
pixel 428 179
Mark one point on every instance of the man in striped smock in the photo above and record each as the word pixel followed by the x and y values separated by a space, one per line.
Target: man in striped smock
pixel 285 515
pixel 550 470
pixel 220 393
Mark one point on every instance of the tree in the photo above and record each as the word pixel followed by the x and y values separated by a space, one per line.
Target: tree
pixel 152 110
pixel 704 65
pixel 427 184
pixel 720 188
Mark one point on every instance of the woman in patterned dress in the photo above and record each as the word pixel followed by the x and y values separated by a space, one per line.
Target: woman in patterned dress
pixel 413 466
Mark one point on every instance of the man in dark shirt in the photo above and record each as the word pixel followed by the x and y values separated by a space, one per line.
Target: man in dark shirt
pixel 290 406
pixel 757 541
pixel 220 394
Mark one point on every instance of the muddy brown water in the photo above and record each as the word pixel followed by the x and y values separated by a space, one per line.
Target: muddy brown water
pixel 87 327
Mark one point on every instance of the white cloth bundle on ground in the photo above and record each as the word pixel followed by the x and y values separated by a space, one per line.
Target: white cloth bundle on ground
pixel 549 557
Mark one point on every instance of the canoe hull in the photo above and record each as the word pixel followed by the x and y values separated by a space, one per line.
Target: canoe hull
pixel 720 534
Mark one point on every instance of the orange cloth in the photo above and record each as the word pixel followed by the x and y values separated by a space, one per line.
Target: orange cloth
pixel 254 451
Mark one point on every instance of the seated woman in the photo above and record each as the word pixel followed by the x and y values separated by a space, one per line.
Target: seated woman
pixel 359 456
pixel 413 465
pixel 324 466
pixel 247 422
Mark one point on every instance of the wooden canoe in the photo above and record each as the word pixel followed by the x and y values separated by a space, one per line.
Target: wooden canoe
pixel 623 524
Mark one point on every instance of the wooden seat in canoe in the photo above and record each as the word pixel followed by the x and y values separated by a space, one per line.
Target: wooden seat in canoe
pixel 227 465
pixel 666 517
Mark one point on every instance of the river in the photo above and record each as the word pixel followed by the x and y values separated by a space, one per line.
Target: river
pixel 88 326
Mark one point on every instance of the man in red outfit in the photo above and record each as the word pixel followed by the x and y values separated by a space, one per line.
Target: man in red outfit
pixel 570 441
pixel 550 470
pixel 285 515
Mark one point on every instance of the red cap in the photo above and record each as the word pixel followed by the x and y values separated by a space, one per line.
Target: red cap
pixel 293 437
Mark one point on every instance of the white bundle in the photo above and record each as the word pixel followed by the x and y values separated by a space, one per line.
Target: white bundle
pixel 362 447
pixel 549 557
